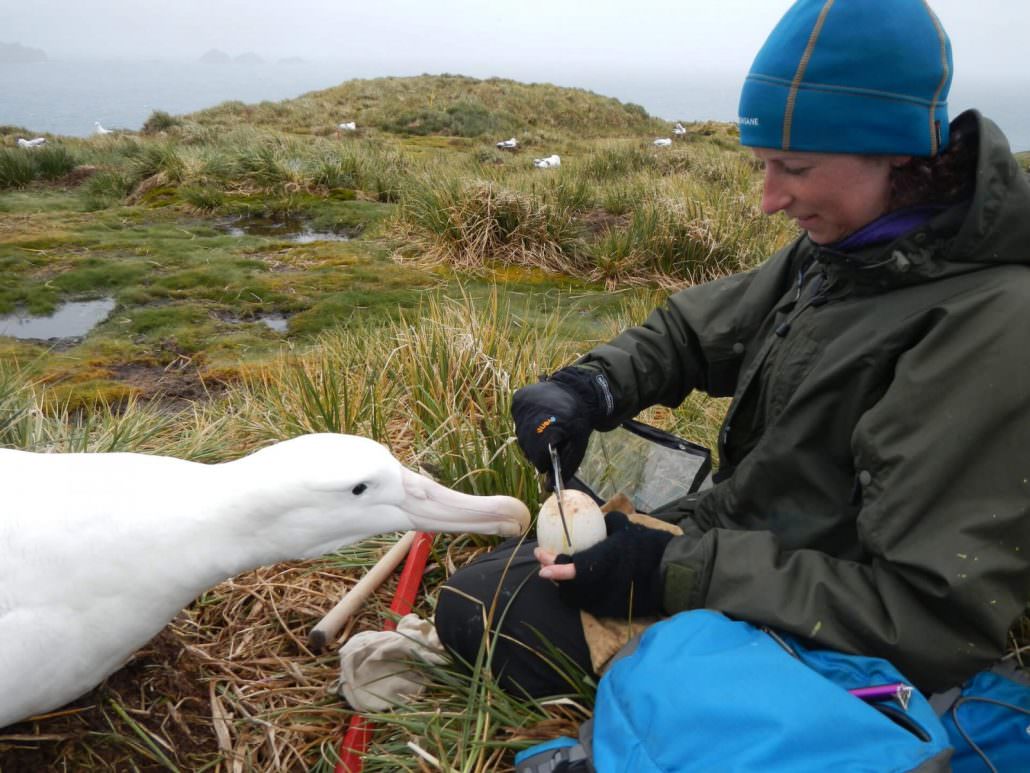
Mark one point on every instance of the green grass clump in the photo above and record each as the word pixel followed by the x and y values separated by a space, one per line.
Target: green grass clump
pixel 16 168
pixel 160 121
pixel 53 161
pixel 462 119
pixel 467 225
pixel 106 189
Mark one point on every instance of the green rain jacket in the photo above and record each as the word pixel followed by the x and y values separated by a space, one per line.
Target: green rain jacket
pixel 874 489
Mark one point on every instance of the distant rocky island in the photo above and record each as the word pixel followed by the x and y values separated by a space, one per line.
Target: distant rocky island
pixel 214 56
pixel 16 53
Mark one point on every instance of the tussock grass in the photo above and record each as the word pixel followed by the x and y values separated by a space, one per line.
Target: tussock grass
pixel 621 214
pixel 470 224
pixel 53 161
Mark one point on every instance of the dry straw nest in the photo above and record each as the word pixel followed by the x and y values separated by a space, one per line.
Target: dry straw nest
pixel 229 685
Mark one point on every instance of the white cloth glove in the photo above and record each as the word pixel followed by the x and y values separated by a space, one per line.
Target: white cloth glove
pixel 375 666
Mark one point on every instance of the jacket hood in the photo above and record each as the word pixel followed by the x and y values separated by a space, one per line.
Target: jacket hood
pixel 996 228
pixel 990 228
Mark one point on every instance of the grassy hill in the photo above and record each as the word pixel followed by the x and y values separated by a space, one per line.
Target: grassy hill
pixel 453 105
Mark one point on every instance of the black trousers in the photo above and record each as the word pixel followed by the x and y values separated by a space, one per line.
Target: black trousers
pixel 527 613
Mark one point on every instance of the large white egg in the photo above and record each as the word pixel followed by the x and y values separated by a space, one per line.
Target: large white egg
pixel 584 518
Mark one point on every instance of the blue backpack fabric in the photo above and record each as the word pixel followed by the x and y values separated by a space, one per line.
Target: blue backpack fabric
pixel 701 692
pixel 734 698
pixel 989 723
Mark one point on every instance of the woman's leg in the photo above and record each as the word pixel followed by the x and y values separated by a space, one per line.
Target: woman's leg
pixel 527 607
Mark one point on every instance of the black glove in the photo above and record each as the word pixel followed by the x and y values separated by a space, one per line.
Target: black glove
pixel 624 568
pixel 560 410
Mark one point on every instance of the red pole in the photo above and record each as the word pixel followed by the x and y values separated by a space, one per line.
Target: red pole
pixel 359 730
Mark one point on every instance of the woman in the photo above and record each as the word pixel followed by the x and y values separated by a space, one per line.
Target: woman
pixel 874 486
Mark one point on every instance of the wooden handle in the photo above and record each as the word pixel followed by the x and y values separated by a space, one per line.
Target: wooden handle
pixel 330 625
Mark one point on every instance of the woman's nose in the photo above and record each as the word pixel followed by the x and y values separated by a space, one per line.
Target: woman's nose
pixel 774 197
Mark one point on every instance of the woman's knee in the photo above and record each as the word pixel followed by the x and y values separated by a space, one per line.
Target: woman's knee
pixel 466 599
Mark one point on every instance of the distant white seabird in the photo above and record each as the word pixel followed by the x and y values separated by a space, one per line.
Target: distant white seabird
pixel 663 142
pixel 547 163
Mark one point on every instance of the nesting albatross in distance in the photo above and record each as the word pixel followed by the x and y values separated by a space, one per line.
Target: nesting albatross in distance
pixel 98 552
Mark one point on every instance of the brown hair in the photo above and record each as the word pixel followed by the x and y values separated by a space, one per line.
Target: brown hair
pixel 942 179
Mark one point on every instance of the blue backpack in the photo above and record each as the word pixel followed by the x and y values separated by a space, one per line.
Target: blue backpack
pixel 701 692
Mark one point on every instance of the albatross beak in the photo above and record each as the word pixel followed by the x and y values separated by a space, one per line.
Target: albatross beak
pixel 433 507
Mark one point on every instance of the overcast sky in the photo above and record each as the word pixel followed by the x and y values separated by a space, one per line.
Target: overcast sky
pixel 527 38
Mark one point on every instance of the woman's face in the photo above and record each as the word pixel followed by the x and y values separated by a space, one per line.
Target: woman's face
pixel 830 195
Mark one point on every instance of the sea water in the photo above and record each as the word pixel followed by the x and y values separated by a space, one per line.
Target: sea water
pixel 67 97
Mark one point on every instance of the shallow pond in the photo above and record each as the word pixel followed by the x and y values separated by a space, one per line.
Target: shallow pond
pixel 290 229
pixel 277 322
pixel 70 320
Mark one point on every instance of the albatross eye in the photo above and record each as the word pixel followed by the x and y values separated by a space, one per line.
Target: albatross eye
pixel 359 489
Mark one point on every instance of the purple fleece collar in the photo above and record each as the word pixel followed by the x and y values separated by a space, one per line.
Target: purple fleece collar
pixel 887 228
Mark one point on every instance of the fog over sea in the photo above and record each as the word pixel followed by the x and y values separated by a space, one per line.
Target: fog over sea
pixel 67 96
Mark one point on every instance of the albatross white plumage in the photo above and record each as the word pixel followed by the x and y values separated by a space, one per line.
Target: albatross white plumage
pixel 98 552
pixel 550 162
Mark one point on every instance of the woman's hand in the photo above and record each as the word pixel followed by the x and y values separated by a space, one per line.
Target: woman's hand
pixel 550 570
pixel 617 577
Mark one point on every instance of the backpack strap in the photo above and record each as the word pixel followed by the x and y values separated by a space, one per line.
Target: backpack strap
pixel 973 745
pixel 559 755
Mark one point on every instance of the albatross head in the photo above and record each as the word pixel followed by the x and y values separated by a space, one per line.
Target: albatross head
pixel 339 489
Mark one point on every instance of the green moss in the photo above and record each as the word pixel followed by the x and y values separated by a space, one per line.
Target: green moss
pixel 88 395
pixel 84 279
pixel 354 307
pixel 161 196
pixel 174 318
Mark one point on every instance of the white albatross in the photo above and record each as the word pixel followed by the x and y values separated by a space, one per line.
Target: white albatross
pixel 98 552
pixel 547 163
pixel 100 129
pixel 509 144
pixel 347 126
pixel 679 129
pixel 36 142
pixel 662 142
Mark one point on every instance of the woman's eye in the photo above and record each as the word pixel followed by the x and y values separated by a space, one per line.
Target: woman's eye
pixel 795 170
pixel 359 489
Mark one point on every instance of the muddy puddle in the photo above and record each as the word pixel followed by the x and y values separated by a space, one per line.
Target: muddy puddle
pixel 277 322
pixel 70 320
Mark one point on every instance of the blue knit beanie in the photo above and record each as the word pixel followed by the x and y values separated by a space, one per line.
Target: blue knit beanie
pixel 851 76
